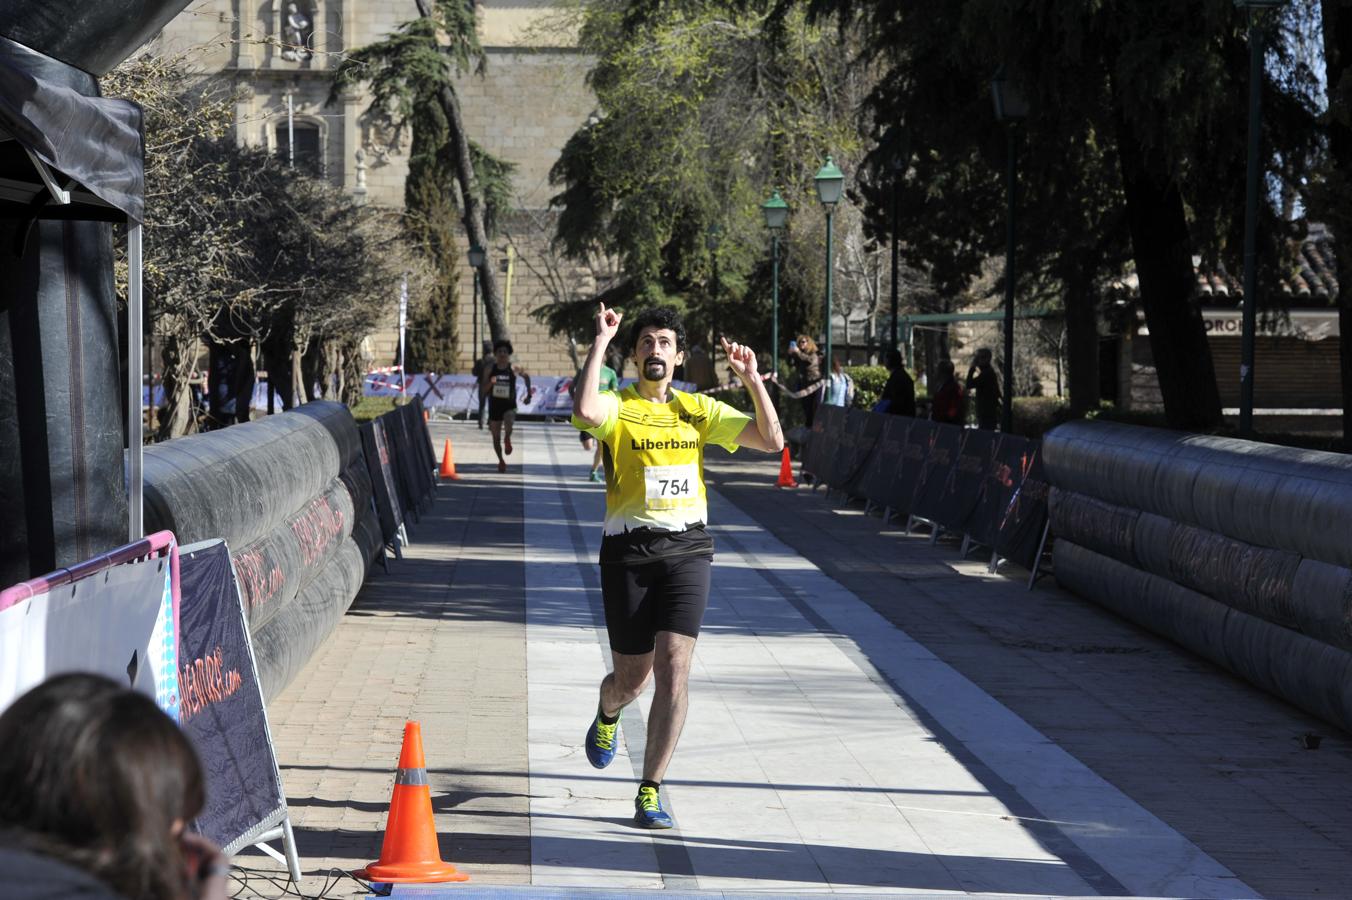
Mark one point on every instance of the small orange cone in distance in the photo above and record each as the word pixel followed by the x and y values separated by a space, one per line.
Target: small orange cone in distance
pixel 786 471
pixel 448 462
pixel 409 854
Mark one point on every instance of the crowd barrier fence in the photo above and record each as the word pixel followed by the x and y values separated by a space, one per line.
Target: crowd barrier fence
pixel 984 486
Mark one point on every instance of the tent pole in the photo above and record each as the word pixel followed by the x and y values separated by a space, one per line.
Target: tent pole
pixel 135 439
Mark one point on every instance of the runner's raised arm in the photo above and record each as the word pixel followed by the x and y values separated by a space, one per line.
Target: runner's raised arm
pixel 586 403
pixel 764 432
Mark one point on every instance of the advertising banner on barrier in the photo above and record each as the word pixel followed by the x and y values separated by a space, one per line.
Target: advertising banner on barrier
pixel 882 467
pixel 847 443
pixel 827 426
pixel 118 622
pixel 1021 526
pixel 907 479
pixel 998 487
pixel 458 395
pixel 222 708
pixel 375 446
pixel 962 488
pixel 934 471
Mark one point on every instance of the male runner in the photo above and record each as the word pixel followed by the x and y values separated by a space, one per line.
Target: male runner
pixel 499 386
pixel 655 552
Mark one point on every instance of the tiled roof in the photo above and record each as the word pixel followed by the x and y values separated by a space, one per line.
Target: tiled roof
pixel 1314 283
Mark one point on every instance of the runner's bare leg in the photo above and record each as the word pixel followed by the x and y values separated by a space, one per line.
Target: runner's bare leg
pixel 671 666
pixel 622 686
pixel 495 428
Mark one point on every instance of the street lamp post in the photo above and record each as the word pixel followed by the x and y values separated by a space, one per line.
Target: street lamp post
pixel 1253 8
pixel 830 182
pixel 776 217
pixel 1011 108
pixel 897 163
pixel 476 259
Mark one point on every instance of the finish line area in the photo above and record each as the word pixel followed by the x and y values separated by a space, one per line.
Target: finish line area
pixel 869 714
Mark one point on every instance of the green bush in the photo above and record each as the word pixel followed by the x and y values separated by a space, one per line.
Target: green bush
pixel 372 407
pixel 868 384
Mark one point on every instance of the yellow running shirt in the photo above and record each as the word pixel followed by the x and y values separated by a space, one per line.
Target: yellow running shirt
pixel 654 456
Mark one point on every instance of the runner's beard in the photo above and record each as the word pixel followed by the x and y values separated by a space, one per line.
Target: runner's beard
pixel 654 369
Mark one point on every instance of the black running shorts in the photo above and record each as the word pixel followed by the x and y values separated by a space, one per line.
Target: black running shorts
pixel 663 595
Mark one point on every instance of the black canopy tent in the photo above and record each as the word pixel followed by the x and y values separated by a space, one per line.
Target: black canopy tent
pixel 71 162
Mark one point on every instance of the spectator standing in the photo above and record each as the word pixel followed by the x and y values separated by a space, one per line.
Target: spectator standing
pixel 839 386
pixel 807 364
pixel 899 391
pixel 947 405
pixel 981 378
pixel 97 786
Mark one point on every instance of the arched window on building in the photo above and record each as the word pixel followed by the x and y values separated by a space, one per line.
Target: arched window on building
pixel 309 156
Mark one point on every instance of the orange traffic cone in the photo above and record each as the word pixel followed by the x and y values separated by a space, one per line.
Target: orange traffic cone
pixel 409 854
pixel 448 462
pixel 786 471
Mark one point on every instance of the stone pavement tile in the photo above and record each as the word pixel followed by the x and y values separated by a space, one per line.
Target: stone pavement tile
pixel 1208 754
pixel 440 638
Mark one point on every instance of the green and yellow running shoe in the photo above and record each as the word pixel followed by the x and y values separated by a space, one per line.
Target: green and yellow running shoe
pixel 648 811
pixel 601 741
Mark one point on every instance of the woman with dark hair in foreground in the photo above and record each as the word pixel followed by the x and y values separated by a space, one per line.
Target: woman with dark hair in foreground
pixel 97 786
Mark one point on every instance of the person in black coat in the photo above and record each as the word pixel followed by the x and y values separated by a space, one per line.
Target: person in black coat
pixel 899 391
pixel 981 378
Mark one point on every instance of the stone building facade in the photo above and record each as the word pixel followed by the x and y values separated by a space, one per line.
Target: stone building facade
pixel 280 55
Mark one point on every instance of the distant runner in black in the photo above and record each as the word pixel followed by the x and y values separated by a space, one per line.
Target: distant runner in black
pixel 499 387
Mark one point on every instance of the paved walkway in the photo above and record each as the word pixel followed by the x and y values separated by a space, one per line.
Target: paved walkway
pixel 868 714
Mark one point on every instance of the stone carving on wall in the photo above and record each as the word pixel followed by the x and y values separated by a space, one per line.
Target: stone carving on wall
pixel 297 34
pixel 380 136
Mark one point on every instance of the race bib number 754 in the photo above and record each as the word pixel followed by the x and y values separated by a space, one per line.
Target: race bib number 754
pixel 669 486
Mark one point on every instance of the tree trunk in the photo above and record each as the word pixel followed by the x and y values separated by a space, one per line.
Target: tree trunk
pixel 1082 350
pixel 178 418
pixel 1337 205
pixel 472 204
pixel 1162 248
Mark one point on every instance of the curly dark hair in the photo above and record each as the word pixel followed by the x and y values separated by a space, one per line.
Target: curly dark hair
pixel 657 317
pixel 498 345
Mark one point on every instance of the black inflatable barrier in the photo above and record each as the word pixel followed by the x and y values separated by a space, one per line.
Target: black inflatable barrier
pixel 1307 673
pixel 998 487
pixel 291 495
pixel 241 482
pixel 287 641
pixel 274 569
pixel 1268 496
pixel 1308 596
pixel 1105 528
